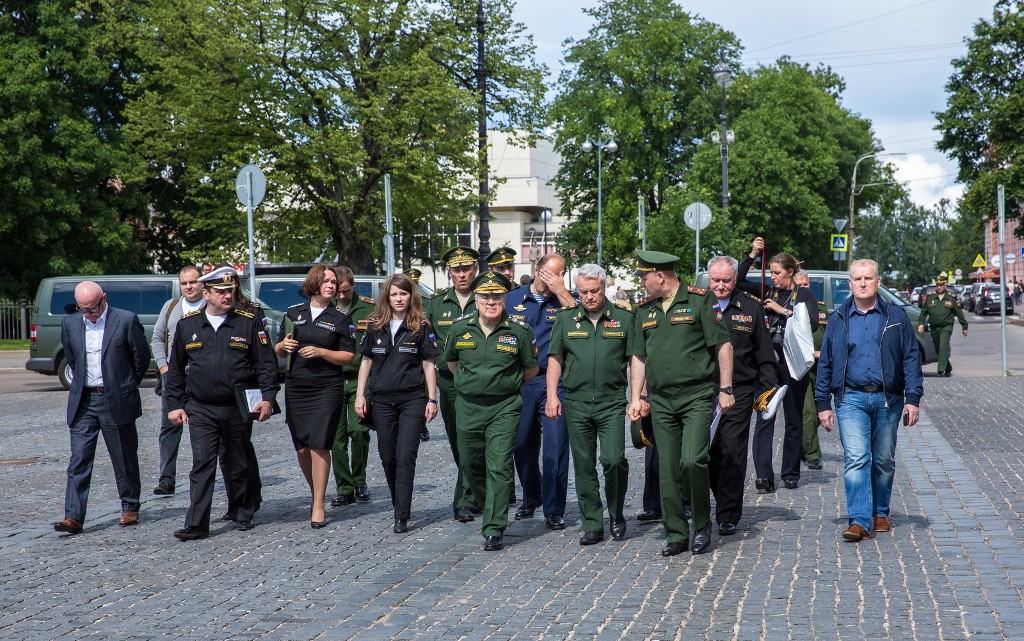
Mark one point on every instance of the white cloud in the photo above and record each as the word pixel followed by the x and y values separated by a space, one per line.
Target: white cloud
pixel 927 177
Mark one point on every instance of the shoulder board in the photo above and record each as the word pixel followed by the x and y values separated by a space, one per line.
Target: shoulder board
pixel 621 304
pixel 244 313
pixel 194 312
pixel 296 305
pixel 519 322
pixel 697 290
pixel 750 296
pixel 440 292
pixel 466 315
pixel 366 299
pixel 568 307
pixel 645 301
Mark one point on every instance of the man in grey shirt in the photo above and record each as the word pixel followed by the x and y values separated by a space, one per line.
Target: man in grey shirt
pixel 163 337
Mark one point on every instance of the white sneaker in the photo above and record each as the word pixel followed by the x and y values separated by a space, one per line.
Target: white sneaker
pixel 774 402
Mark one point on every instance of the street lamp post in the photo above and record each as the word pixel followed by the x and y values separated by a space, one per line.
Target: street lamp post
pixel 723 76
pixel 611 147
pixel 545 216
pixel 853 193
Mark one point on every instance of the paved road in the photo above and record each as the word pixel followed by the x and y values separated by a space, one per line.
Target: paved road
pixel 952 568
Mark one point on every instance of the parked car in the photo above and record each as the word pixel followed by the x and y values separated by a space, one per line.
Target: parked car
pixel 915 295
pixel 972 297
pixel 989 299
pixel 833 287
pixel 926 291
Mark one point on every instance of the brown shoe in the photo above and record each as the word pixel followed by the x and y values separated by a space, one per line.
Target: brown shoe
pixel 881 524
pixel 128 518
pixel 69 525
pixel 855 533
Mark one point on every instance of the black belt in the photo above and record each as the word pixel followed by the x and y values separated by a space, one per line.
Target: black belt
pixel 866 388
pixel 94 390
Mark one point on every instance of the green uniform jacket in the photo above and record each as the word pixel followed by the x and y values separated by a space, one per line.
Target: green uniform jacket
pixel 442 311
pixel 942 311
pixel 594 359
pixel 360 310
pixel 489 367
pixel 679 345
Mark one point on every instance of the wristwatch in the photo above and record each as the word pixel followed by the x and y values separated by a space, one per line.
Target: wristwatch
pixel 432 400
pixel 645 397
pixel 726 390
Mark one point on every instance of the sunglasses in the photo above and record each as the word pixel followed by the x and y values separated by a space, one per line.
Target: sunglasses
pixel 95 309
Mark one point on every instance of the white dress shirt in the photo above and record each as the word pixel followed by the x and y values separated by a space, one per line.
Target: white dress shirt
pixel 94 349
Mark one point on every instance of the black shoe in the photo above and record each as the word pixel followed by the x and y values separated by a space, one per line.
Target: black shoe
pixel 619 529
pixel 702 540
pixel 672 549
pixel 343 499
pixel 765 485
pixel 791 485
pixel 244 526
pixel 476 509
pixel 590 538
pixel 525 512
pixel 463 514
pixel 316 525
pixel 401 526
pixel 362 494
pixel 554 522
pixel 190 533
pixel 424 434
pixel 814 465
pixel 648 516
pixel 727 529
pixel 228 516
pixel 163 488
pixel 493 543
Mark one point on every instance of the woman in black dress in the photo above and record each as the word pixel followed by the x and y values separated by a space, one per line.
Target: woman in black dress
pixel 780 298
pixel 317 339
pixel 398 359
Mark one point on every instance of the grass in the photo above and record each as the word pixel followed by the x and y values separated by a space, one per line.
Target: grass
pixel 11 344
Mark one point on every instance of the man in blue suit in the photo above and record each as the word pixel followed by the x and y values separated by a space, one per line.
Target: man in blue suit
pixel 107 352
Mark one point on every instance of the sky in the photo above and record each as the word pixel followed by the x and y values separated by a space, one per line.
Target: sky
pixel 895 56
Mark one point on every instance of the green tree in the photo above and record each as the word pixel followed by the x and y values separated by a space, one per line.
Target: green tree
pixel 909 242
pixel 641 76
pixel 982 126
pixel 327 97
pixel 64 208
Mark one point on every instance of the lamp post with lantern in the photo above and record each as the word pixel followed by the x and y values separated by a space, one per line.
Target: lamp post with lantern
pixel 611 147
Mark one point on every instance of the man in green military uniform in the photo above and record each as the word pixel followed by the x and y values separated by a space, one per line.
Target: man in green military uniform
pixel 352 440
pixel 942 308
pixel 491 356
pixel 503 261
pixel 591 344
pixel 443 309
pixel 677 337
pixel 811 444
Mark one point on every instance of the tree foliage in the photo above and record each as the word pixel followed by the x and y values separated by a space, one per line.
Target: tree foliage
pixel 909 242
pixel 64 208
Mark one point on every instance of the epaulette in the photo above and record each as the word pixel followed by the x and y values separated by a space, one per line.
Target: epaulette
pixel 466 315
pixel 645 301
pixel 752 297
pixel 568 307
pixel 519 322
pixel 296 305
pixel 366 299
pixel 697 290
pixel 192 313
pixel 621 304
pixel 244 313
pixel 439 292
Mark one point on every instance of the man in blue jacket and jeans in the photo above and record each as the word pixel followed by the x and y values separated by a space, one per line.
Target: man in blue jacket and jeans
pixel 871 367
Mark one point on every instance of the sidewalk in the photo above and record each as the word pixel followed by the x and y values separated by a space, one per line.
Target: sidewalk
pixel 952 568
pixel 13 360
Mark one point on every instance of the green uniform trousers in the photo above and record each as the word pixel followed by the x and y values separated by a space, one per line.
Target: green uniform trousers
pixel 588 423
pixel 940 338
pixel 811 445
pixel 446 387
pixel 487 440
pixel 349 462
pixel 681 422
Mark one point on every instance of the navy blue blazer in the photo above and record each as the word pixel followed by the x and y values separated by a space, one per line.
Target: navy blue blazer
pixel 124 361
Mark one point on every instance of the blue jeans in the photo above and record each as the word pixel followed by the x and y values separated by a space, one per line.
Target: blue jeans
pixel 867 429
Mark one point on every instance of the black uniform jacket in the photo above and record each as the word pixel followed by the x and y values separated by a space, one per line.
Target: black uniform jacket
pixel 397 370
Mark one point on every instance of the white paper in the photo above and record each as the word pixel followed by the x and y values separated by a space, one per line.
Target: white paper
pixel 253 398
pixel 714 421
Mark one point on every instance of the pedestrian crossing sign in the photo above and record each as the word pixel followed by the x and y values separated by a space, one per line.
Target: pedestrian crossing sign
pixel 839 242
pixel 979 262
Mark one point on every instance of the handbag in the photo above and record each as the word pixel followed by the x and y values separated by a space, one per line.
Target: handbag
pixel 366 420
pixel 798 343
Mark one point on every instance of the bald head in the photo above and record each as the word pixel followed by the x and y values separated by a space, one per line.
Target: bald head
pixel 90 299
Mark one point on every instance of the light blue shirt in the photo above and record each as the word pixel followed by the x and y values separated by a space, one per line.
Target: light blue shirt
pixel 94 349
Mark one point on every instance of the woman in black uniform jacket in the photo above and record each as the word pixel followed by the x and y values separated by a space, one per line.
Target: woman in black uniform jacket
pixel 318 339
pixel 779 301
pixel 398 357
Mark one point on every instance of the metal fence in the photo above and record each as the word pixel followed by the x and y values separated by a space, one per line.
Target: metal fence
pixel 15 318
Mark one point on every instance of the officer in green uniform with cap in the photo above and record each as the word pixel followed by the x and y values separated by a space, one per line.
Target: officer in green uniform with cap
pixel 352 440
pixel 503 261
pixel 442 309
pixel 491 355
pixel 589 349
pixel 677 337
pixel 942 308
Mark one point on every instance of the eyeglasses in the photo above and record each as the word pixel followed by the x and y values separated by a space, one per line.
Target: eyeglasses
pixel 490 298
pixel 95 309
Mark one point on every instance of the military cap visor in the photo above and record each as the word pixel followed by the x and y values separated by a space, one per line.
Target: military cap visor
pixel 652 261
pixel 220 278
pixel 501 256
pixel 491 283
pixel 642 432
pixel 461 255
pixel 413 273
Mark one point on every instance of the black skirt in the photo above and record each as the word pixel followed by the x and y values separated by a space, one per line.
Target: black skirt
pixel 313 407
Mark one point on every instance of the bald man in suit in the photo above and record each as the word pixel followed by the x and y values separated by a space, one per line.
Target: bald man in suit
pixel 108 354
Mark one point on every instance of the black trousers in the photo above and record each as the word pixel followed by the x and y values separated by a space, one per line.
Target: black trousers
pixel 792 440
pixel 728 452
pixel 652 486
pixel 212 429
pixel 398 424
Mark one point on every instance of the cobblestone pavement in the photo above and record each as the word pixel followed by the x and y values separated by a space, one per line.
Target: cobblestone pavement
pixel 952 568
